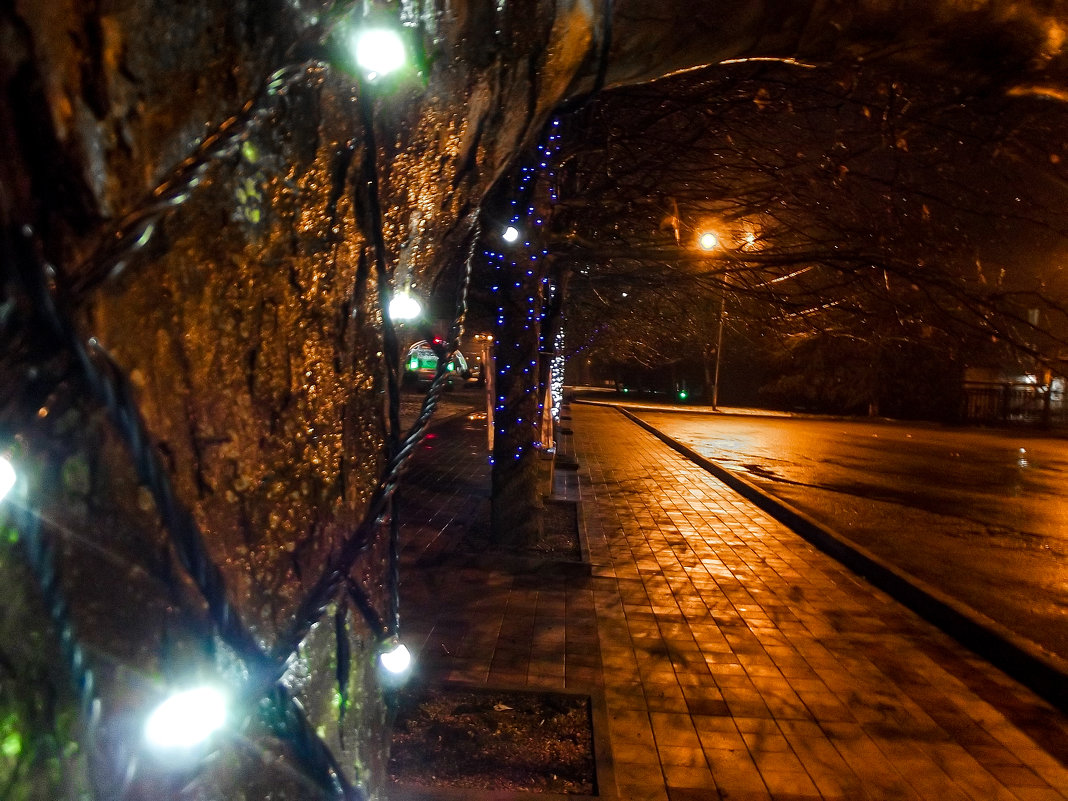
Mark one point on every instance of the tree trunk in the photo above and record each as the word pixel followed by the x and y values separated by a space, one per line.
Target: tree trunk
pixel 516 503
pixel 708 360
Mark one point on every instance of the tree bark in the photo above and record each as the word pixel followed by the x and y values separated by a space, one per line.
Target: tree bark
pixel 516 504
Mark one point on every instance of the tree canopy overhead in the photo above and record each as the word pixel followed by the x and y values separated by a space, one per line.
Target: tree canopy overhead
pixel 849 201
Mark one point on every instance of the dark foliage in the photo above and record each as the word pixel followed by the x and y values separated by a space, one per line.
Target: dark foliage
pixel 880 216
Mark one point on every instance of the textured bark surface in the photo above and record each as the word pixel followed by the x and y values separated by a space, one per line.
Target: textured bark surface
pixel 249 330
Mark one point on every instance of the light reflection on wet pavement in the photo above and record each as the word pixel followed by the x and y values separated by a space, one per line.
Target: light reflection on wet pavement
pixel 981 515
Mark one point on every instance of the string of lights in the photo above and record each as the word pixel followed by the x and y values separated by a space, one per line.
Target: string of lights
pixel 105 382
pixel 521 258
pixel 333 575
pixel 556 373
pixel 286 717
pixel 113 391
pixel 41 559
pixel 108 386
pixel 53 296
pixel 134 231
pixel 369 188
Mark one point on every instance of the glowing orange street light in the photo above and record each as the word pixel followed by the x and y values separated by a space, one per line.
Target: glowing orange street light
pixel 708 241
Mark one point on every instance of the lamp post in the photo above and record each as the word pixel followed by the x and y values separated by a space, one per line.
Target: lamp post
pixel 719 348
pixel 709 241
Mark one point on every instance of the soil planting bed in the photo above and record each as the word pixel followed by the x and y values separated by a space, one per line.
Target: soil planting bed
pixel 461 737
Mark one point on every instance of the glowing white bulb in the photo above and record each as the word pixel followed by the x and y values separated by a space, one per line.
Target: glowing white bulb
pixel 708 241
pixel 397 659
pixel 511 234
pixel 7 476
pixel 379 51
pixel 186 718
pixel 404 307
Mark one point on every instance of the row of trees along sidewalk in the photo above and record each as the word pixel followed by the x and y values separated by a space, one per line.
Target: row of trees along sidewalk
pixel 871 221
pixel 879 231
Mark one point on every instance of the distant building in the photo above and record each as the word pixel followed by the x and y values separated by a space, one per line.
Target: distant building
pixel 994 395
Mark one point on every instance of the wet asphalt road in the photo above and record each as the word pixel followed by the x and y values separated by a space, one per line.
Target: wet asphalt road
pixel 981 515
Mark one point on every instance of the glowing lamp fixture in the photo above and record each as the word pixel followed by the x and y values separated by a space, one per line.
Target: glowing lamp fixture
pixel 379 50
pixel 186 718
pixel 511 234
pixel 404 307
pixel 708 241
pixel 7 476
pixel 395 657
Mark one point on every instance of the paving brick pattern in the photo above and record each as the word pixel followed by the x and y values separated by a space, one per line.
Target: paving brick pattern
pixel 727 658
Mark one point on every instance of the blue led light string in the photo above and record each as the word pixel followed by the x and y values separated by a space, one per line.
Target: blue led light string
pixel 523 259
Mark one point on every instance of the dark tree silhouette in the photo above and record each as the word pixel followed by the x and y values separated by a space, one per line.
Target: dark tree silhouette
pixel 871 211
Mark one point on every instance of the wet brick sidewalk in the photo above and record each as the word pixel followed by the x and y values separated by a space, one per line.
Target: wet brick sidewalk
pixel 725 656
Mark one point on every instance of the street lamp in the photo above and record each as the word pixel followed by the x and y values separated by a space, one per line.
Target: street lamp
pixel 709 241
